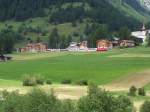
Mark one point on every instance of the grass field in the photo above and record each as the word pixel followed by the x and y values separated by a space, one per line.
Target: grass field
pixel 101 68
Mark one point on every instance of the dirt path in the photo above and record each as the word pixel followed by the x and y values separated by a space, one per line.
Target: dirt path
pixel 138 79
pixel 138 105
pixel 61 91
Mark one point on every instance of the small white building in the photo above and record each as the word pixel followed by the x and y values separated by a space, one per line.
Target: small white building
pixel 74 46
pixel 141 34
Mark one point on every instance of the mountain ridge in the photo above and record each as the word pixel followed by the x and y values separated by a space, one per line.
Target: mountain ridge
pixel 114 13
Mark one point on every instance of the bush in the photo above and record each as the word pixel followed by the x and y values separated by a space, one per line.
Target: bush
pixel 66 81
pixel 29 81
pixel 49 82
pixel 13 102
pixel 124 104
pixel 145 107
pixel 82 83
pixel 67 106
pixel 39 80
pixel 34 101
pixel 40 101
pixel 132 91
pixel 141 91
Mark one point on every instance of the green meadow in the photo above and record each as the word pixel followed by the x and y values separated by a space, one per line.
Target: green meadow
pixel 101 68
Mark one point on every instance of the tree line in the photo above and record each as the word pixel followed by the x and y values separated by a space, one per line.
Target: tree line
pixel 97 100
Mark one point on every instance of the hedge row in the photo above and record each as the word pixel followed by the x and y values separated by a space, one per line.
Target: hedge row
pixel 33 80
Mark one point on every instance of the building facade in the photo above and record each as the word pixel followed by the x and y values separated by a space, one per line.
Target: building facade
pixel 104 45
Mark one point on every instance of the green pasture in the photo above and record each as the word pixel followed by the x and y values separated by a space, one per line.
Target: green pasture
pixel 100 68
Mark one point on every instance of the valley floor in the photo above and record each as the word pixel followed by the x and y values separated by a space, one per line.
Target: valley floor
pixel 115 71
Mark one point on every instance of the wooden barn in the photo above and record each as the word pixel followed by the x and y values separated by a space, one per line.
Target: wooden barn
pixel 34 47
pixel 104 45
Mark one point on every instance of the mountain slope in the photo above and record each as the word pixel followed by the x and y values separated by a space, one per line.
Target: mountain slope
pixel 72 18
pixel 24 9
pixel 134 9
pixel 145 4
pixel 57 13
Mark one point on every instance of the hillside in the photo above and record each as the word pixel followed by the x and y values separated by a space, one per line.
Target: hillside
pixel 145 4
pixel 73 18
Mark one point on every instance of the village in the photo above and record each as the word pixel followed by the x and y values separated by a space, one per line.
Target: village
pixel 101 45
pixel 75 56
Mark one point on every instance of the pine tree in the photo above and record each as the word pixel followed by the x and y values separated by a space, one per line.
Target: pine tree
pixel 54 39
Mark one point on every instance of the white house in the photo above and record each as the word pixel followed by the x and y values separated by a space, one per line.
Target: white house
pixel 141 34
pixel 74 46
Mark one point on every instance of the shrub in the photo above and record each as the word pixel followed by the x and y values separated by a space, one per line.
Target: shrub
pixel 13 102
pixel 33 80
pixel 123 104
pixel 66 81
pixel 39 79
pixel 29 81
pixel 132 91
pixel 145 107
pixel 82 83
pixel 49 82
pixel 40 101
pixel 141 91
pixel 34 101
pixel 67 106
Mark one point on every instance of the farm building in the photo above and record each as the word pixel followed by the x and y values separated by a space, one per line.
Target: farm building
pixel 127 43
pixel 104 45
pixel 34 47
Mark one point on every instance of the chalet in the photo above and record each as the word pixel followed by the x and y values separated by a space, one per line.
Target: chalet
pixel 104 45
pixel 34 47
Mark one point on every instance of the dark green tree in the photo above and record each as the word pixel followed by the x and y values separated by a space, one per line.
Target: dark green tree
pixel 98 100
pixel 8 38
pixel 101 32
pixel 63 42
pixel 54 39
pixel 125 33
